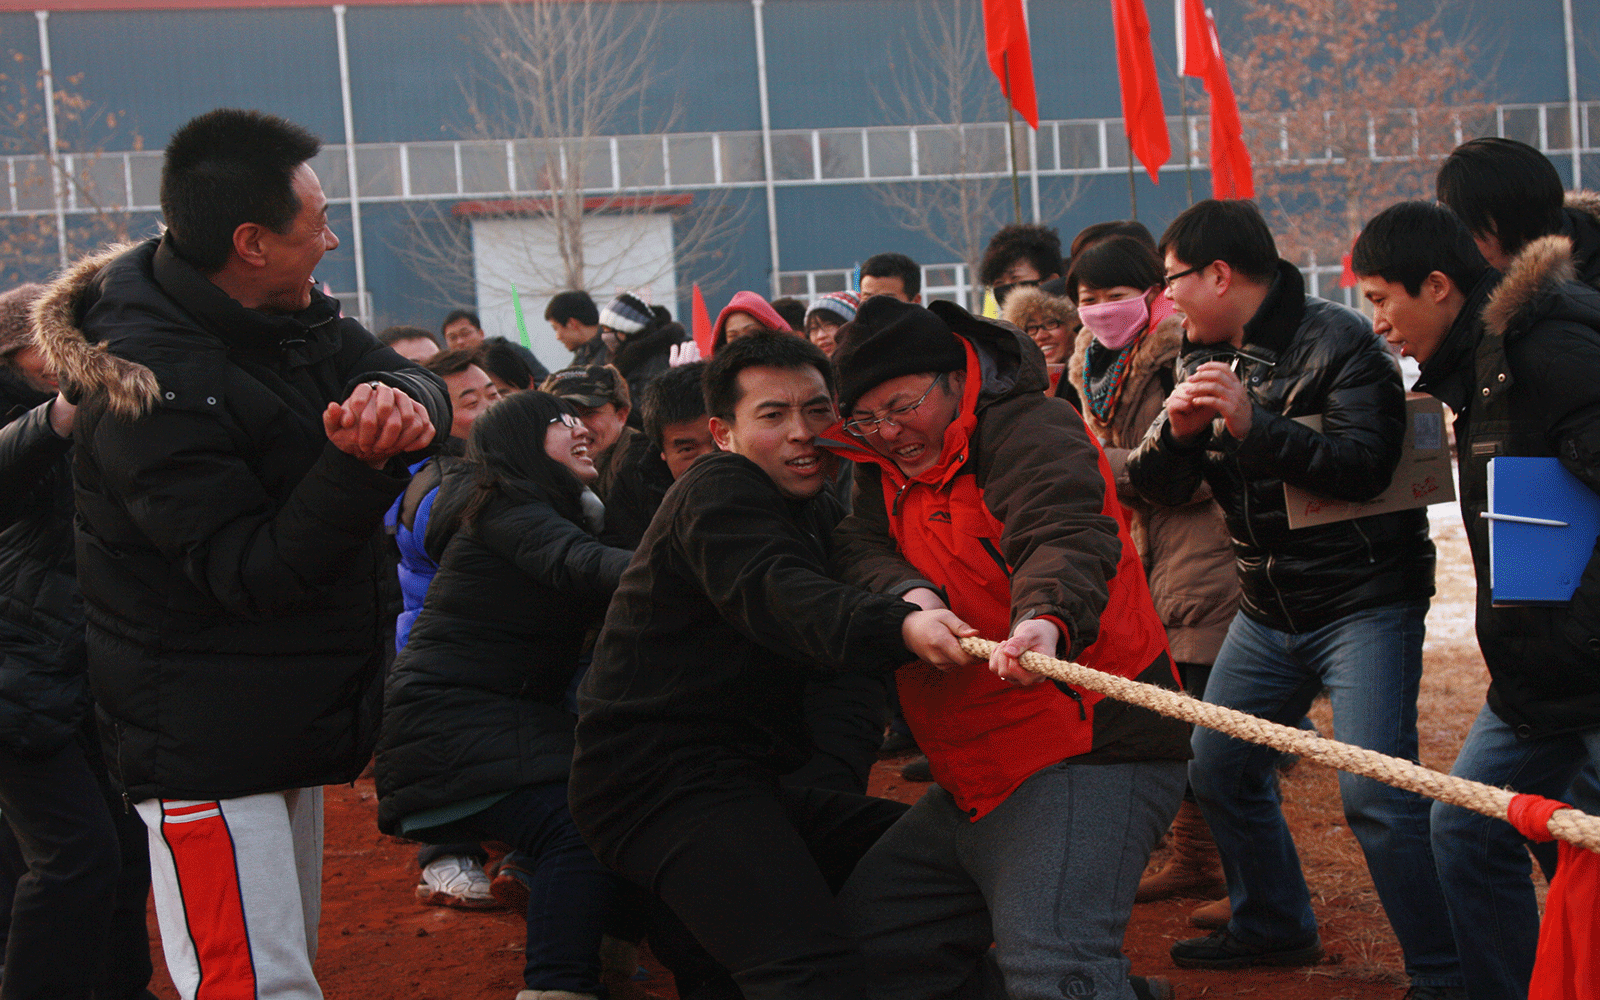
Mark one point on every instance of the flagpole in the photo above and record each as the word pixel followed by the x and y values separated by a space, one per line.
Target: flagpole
pixel 1011 138
pixel 1133 192
pixel 1188 136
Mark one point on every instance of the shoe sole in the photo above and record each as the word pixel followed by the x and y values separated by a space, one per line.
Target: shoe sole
pixel 1310 955
pixel 433 897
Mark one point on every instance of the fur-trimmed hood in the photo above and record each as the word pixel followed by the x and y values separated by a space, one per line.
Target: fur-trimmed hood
pixel 86 369
pixel 1540 283
pixel 1584 202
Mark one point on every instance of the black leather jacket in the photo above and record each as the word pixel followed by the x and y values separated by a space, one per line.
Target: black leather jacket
pixel 1303 356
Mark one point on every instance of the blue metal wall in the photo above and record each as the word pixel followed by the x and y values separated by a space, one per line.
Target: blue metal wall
pixel 826 58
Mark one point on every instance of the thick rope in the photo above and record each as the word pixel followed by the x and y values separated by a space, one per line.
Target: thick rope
pixel 1567 824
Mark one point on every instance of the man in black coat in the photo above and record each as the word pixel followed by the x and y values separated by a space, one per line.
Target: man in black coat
pixel 692 708
pixel 1337 606
pixel 237 445
pixel 77 918
pixel 1518 361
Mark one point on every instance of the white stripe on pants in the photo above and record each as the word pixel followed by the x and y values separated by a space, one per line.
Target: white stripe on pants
pixel 238 893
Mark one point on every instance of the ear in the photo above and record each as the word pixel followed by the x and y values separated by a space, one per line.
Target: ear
pixel 722 433
pixel 623 411
pixel 1224 276
pixel 1437 286
pixel 247 243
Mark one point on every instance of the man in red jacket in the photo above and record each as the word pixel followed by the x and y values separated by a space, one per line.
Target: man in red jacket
pixel 978 492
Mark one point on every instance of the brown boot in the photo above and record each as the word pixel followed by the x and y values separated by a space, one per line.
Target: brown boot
pixel 1193 869
pixel 1212 915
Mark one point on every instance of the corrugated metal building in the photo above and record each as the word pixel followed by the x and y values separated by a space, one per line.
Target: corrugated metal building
pixel 777 124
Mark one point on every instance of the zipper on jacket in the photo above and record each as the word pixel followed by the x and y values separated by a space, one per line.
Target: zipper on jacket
pixel 994 553
pixel 1083 713
pixel 1371 556
pixel 127 803
pixel 900 495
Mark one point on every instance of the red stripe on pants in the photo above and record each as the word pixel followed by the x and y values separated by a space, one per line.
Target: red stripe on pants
pixel 208 878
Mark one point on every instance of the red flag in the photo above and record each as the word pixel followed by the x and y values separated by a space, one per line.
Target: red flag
pixel 701 321
pixel 1142 114
pixel 1347 276
pixel 1202 57
pixel 1006 32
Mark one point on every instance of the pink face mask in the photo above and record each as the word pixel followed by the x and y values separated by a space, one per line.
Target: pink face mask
pixel 1116 324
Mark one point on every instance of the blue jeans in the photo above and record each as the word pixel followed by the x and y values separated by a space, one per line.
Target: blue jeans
pixel 570 896
pixel 1048 877
pixel 1371 663
pixel 1483 863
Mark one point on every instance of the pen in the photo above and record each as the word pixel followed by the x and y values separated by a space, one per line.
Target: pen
pixel 1519 519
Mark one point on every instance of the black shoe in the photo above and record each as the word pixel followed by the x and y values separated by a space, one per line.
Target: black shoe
pixel 917 770
pixel 1221 950
pixel 897 745
pixel 1150 988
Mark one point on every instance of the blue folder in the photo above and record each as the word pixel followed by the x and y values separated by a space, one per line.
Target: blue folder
pixel 1534 563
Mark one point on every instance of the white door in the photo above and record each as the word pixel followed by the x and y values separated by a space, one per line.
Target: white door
pixel 622 253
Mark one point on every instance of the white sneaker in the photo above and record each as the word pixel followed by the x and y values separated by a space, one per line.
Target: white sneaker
pixel 456 881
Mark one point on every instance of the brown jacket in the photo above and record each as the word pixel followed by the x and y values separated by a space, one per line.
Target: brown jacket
pixel 1188 557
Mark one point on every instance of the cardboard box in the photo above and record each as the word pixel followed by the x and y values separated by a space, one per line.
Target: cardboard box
pixel 1423 476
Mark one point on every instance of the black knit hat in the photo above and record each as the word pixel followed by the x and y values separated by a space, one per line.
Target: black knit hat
pixel 887 339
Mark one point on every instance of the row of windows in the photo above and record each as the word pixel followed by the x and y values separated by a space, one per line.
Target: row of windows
pixel 497 168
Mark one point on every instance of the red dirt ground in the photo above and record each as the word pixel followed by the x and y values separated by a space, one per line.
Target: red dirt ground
pixel 377 942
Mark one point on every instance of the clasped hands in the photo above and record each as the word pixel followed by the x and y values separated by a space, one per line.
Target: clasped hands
pixel 1212 391
pixel 377 423
pixel 934 636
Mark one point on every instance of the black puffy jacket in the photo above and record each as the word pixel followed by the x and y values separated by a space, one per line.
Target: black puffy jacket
pixel 227 551
pixel 43 690
pixel 1522 373
pixel 475 703
pixel 1303 356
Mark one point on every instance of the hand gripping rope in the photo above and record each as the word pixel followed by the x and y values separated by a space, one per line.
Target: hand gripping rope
pixel 1535 817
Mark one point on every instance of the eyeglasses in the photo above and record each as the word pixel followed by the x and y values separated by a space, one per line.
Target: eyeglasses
pixel 572 422
pixel 1038 328
pixel 1193 270
pixel 865 427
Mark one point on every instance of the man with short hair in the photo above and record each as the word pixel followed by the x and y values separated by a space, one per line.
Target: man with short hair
pixel 237 445
pixel 601 395
pixel 463 331
pixel 891 274
pixel 1509 194
pixel 677 431
pixel 471 390
pixel 1518 361
pixel 410 342
pixel 976 491
pixel 576 321
pixel 1337 606
pixel 692 707
pixel 1020 255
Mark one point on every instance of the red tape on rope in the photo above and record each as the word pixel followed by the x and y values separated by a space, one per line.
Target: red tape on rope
pixel 1530 814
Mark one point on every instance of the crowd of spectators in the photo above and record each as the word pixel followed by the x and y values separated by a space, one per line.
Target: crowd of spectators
pixel 648 619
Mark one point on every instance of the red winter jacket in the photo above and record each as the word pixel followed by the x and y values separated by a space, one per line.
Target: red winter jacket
pixel 1019 519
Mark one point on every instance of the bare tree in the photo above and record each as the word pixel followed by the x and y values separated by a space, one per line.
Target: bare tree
pixel 558 81
pixel 1347 110
pixel 32 243
pixel 961 150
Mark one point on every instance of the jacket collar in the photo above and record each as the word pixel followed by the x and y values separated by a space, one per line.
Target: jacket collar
pixel 1278 318
pixel 1449 375
pixel 223 316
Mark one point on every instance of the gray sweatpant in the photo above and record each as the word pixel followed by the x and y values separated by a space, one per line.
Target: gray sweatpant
pixel 1048 877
